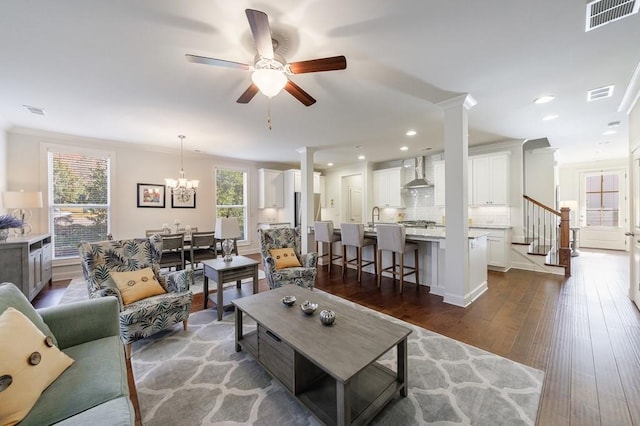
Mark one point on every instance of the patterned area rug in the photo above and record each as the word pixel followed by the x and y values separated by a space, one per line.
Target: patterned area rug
pixel 197 378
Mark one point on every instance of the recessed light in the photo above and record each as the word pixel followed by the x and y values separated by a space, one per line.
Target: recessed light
pixel 411 133
pixel 609 132
pixel 404 148
pixel 550 117
pixel 604 143
pixel 544 99
pixel 361 157
pixel 614 124
pixel 428 148
pixel 330 164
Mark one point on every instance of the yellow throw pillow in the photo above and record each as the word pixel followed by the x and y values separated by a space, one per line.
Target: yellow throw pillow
pixel 29 362
pixel 285 258
pixel 137 285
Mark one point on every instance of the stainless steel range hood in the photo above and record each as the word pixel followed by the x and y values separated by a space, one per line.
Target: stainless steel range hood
pixel 419 181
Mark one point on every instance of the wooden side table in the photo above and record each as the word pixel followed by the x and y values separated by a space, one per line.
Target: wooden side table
pixel 239 268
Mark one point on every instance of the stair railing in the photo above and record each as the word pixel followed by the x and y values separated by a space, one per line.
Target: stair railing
pixel 548 229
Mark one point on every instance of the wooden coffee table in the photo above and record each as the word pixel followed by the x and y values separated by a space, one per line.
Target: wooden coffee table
pixel 332 370
pixel 239 268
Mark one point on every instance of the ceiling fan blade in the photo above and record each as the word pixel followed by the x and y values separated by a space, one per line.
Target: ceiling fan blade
pixel 297 92
pixel 317 65
pixel 217 62
pixel 259 23
pixel 248 94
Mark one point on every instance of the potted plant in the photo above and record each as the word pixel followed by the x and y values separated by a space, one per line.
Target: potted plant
pixel 7 222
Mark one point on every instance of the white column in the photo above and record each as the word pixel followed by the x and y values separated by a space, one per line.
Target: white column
pixel 456 148
pixel 306 187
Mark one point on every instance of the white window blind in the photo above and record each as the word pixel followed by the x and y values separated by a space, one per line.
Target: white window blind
pixel 80 207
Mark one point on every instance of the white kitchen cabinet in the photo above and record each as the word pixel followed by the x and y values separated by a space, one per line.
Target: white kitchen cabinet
pixel 490 180
pixel 323 190
pixel 387 187
pixel 271 189
pixel 498 248
pixel 439 187
pixel 297 182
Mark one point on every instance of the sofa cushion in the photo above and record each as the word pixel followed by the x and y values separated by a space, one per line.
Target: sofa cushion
pixel 11 296
pixel 117 412
pixel 97 376
pixel 29 362
pixel 137 285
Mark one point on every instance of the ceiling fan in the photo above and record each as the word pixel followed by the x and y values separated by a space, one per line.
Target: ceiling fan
pixel 271 70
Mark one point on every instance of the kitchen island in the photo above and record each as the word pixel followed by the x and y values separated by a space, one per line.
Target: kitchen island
pixel 432 254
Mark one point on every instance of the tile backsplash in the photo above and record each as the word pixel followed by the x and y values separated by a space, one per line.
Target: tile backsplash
pixel 419 203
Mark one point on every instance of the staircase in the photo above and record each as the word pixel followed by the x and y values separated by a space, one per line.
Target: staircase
pixel 546 238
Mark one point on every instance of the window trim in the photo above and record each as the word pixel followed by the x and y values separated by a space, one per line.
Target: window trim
pixel 622 190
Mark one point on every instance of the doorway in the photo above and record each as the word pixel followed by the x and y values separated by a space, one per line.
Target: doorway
pixel 352 194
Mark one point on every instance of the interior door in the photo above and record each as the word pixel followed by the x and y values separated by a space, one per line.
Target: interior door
pixel 355 204
pixel 634 275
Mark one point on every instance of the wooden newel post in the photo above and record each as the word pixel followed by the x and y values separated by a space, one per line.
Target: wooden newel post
pixel 565 249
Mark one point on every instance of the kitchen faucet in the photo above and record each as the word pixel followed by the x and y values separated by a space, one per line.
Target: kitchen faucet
pixel 375 210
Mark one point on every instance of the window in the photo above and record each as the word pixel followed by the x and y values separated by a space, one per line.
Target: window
pixel 602 195
pixel 231 197
pixel 80 208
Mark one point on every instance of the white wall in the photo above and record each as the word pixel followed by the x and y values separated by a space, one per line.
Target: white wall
pixel 540 175
pixel 3 167
pixel 27 169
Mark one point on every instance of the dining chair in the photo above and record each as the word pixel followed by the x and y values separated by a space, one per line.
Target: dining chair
pixel 172 254
pixel 150 232
pixel 202 247
pixel 352 235
pixel 393 238
pixel 323 233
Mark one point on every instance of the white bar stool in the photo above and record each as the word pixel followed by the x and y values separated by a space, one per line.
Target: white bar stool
pixel 323 233
pixel 392 238
pixel 352 234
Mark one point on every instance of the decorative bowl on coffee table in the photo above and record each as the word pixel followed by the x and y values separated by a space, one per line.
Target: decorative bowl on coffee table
pixel 308 307
pixel 289 300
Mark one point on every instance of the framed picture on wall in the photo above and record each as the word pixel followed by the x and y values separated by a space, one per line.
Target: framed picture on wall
pixel 183 201
pixel 151 195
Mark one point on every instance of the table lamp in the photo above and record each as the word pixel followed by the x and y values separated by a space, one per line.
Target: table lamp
pixel 22 202
pixel 227 228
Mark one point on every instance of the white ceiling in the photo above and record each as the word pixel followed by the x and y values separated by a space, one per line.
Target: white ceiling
pixel 116 70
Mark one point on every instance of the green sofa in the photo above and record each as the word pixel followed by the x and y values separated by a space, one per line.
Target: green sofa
pixel 94 389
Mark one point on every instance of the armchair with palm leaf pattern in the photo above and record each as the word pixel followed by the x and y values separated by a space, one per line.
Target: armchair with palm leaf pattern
pixel 277 238
pixel 144 317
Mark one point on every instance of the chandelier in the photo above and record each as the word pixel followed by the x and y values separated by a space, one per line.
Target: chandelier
pixel 181 188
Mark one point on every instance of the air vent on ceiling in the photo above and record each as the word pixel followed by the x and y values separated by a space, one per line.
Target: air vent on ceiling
pixel 34 110
pixel 599 93
pixel 602 12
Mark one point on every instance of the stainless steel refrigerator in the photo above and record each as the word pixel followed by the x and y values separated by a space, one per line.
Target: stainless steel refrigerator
pixel 316 208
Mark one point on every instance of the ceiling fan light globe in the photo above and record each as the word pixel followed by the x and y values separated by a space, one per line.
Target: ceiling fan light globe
pixel 269 81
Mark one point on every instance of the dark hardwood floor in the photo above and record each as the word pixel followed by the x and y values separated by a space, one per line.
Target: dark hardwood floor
pixel 582 331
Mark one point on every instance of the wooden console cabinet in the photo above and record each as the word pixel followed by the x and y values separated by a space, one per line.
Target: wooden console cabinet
pixel 26 262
